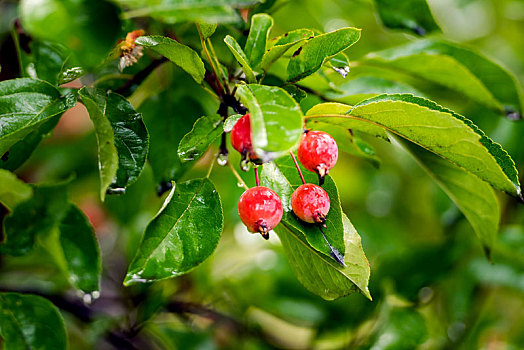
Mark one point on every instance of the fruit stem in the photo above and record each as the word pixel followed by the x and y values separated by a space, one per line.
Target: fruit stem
pixel 240 180
pixel 256 177
pixel 298 168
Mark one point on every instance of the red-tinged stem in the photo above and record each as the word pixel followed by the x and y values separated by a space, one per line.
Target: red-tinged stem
pixel 256 177
pixel 298 168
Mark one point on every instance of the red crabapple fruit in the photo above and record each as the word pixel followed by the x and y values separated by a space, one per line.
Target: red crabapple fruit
pixel 241 137
pixel 318 152
pixel 310 203
pixel 260 209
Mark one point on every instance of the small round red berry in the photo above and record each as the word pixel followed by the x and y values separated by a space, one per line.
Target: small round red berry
pixel 318 152
pixel 241 136
pixel 310 203
pixel 260 209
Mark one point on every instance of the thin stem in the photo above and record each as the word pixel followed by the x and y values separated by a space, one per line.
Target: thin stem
pixel 16 40
pixel 240 180
pixel 217 62
pixel 211 92
pixel 222 91
pixel 256 177
pixel 210 168
pixel 298 168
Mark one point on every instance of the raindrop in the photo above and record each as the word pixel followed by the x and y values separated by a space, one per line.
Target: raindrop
pixel 222 159
pixel 244 164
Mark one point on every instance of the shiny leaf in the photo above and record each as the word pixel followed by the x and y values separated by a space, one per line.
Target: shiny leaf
pixel 241 58
pixel 439 130
pixel 25 104
pixel 31 322
pixel 122 138
pixel 195 143
pixel 257 39
pixel 309 57
pixel 181 55
pixel 276 119
pixel 323 276
pixel 456 68
pixel 411 15
pixel 80 250
pixel 183 234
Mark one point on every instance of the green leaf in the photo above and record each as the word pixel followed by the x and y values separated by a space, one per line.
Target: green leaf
pixel 241 58
pixel 280 45
pixel 31 322
pixel 181 55
pixel 13 190
pixel 183 234
pixel 25 104
pixel 209 11
pixel 230 122
pixel 282 177
pixel 80 250
pixel 48 211
pixel 323 276
pixel 363 87
pixel 276 119
pixel 207 29
pixel 37 215
pixel 195 143
pixel 20 152
pixel 324 116
pixel 88 28
pixel 257 39
pixel 413 15
pixel 48 58
pixel 122 138
pixel 340 64
pixel 439 130
pixel 456 68
pixel 310 56
pixel 474 197
pixel 297 93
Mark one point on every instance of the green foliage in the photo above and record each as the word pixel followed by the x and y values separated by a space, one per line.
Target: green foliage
pixel 413 15
pixel 158 111
pixel 30 321
pixel 181 236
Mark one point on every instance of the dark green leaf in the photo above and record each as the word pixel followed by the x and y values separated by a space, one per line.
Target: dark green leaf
pixel 48 59
pixel 20 152
pixel 13 190
pixel 280 45
pixel 181 55
pixel 25 104
pixel 256 41
pixel 297 93
pixel 80 250
pixel 474 197
pixel 413 15
pixel 456 68
pixel 241 58
pixel 195 143
pixel 37 215
pixel 282 177
pixel 276 119
pixel 183 234
pixel 440 131
pixel 31 322
pixel 309 57
pixel 88 28
pixel 322 276
pixel 122 138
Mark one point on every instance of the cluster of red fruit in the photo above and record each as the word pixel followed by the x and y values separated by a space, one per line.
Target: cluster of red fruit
pixel 260 208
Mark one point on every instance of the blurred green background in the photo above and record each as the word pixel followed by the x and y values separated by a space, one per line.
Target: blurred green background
pixel 431 284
